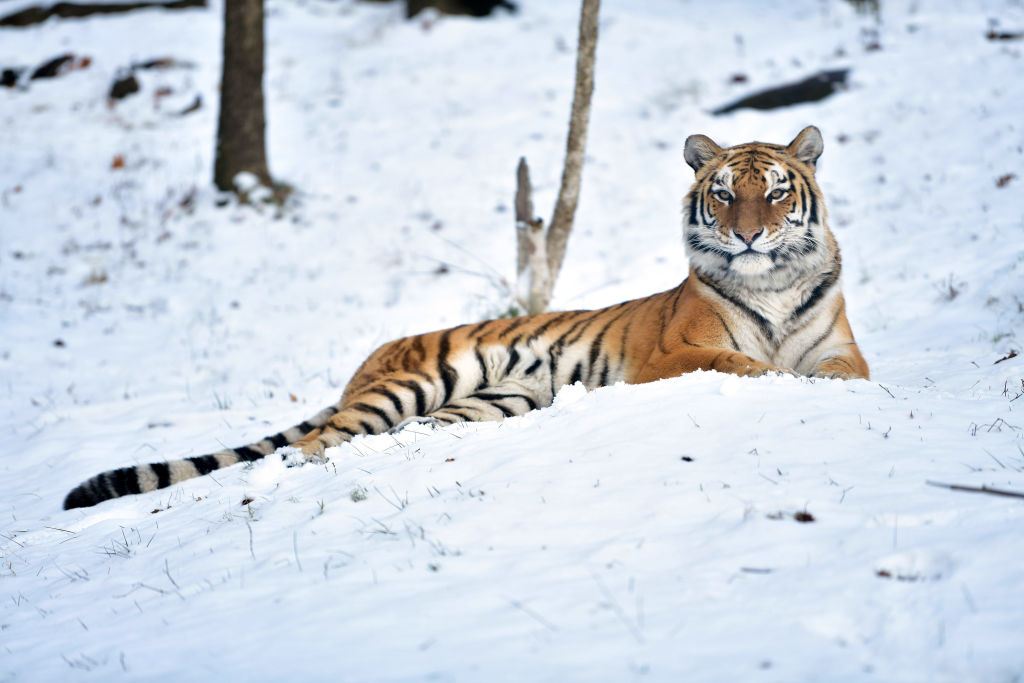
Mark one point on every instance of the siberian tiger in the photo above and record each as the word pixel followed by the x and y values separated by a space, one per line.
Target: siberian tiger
pixel 762 296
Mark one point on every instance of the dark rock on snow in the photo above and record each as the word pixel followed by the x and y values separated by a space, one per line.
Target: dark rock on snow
pixel 811 89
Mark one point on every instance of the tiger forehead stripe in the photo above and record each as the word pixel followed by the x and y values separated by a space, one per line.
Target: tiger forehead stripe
pixel 750 162
pixel 724 178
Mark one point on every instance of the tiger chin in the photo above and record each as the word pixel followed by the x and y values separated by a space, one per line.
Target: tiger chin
pixel 762 296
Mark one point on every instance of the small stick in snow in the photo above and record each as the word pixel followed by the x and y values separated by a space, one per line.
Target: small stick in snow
pixel 976 489
pixel 616 609
pixel 533 615
pixel 251 551
pixel 12 540
pixel 998 462
pixel 1011 354
pixel 167 570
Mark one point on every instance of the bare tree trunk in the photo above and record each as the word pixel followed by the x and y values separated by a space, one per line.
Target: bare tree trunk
pixel 240 129
pixel 569 193
pixel 540 253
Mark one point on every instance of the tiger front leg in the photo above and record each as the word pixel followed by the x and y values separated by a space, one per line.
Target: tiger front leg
pixel 691 358
pixel 842 362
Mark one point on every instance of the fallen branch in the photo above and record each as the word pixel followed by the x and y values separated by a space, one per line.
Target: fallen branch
pixel 65 10
pixel 1011 354
pixel 1004 35
pixel 976 489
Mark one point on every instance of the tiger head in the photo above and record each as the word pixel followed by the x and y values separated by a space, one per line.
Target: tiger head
pixel 755 213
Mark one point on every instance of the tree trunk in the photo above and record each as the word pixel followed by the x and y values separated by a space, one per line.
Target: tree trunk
pixel 569 193
pixel 241 146
pixel 540 252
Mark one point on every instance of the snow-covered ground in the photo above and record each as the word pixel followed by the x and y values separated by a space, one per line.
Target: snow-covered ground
pixel 705 528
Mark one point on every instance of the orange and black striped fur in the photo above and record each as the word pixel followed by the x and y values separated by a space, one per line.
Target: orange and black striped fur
pixel 762 296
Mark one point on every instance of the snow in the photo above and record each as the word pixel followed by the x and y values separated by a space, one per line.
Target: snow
pixel 706 527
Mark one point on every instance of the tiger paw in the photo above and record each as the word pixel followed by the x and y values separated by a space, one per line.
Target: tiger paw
pixel 826 374
pixel 431 422
pixel 762 370
pixel 294 457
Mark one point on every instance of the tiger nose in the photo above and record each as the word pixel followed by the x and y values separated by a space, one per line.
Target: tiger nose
pixel 748 237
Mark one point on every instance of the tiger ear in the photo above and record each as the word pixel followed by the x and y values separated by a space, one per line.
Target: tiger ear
pixel 699 150
pixel 807 146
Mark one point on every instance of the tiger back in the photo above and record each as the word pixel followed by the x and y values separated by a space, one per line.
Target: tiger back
pixel 762 295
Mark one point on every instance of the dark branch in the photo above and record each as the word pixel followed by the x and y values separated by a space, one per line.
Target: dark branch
pixel 977 489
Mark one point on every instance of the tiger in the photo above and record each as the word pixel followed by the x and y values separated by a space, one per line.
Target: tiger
pixel 762 295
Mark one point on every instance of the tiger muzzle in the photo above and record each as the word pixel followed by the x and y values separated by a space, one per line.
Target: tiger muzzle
pixel 748 237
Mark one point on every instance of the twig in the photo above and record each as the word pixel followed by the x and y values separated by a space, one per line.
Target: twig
pixel 167 570
pixel 533 615
pixel 1011 354
pixel 12 540
pixel 617 610
pixel 994 458
pixel 251 551
pixel 493 276
pixel 976 489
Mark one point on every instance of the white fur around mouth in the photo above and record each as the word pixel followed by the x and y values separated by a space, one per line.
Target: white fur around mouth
pixel 751 263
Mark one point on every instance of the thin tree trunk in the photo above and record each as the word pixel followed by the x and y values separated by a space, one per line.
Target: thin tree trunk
pixel 540 252
pixel 241 146
pixel 569 193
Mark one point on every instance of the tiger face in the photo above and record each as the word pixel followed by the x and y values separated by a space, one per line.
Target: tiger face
pixel 754 212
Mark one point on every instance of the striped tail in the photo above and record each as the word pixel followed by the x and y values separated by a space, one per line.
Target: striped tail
pixel 126 481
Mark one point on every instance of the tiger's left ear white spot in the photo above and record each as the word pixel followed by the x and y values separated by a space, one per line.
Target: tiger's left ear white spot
pixel 807 146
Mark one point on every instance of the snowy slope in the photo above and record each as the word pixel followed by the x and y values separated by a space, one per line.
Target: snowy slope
pixel 701 528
